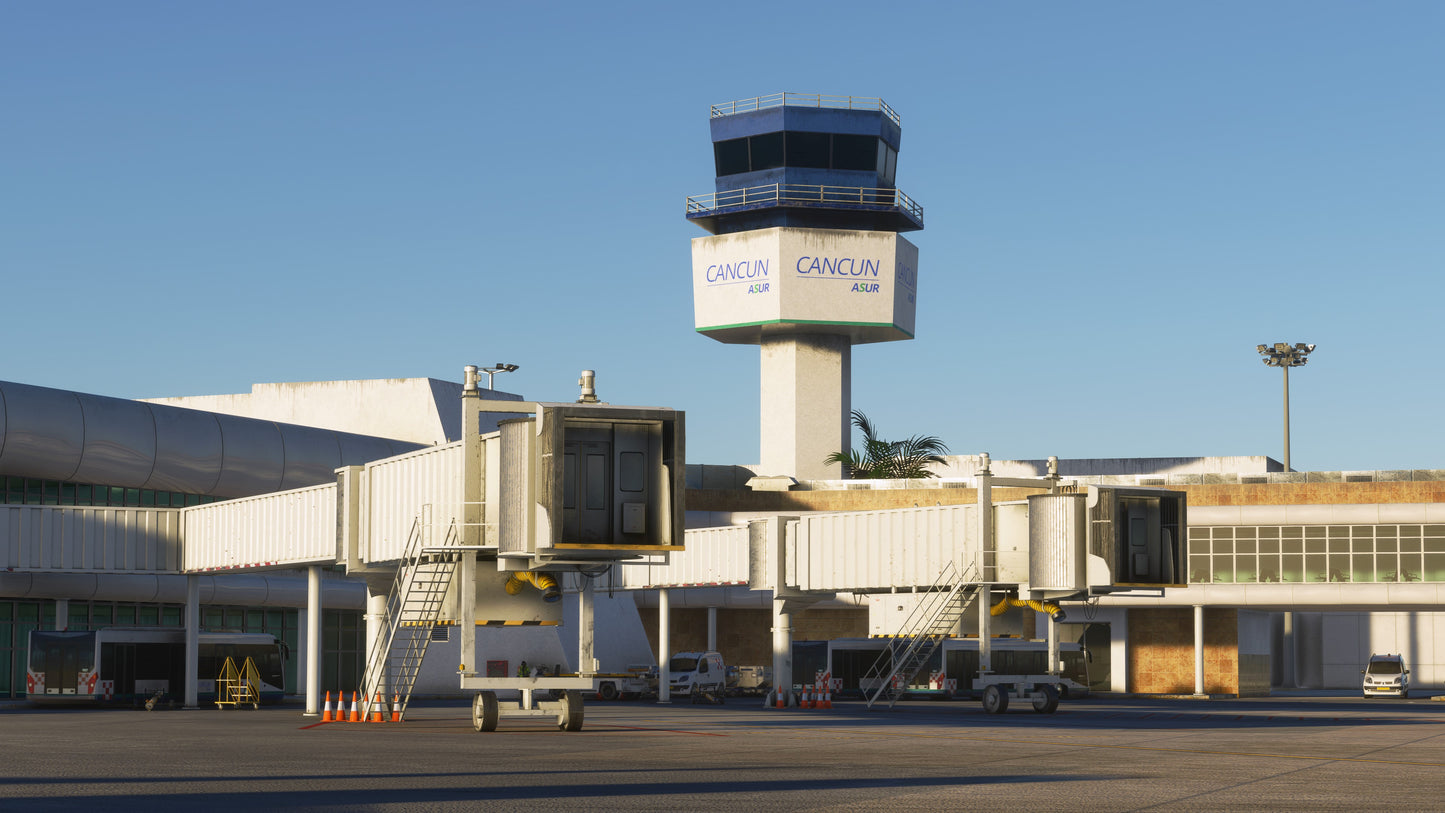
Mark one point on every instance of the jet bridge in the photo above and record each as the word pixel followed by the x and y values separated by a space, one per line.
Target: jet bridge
pixel 1069 542
pixel 560 488
pixel 481 532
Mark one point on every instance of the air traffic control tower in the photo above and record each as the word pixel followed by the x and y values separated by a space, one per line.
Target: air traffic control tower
pixel 805 259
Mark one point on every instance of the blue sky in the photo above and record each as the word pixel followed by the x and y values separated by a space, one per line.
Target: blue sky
pixel 1121 198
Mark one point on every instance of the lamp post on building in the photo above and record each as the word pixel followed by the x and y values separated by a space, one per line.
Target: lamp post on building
pixel 1285 356
pixel 508 368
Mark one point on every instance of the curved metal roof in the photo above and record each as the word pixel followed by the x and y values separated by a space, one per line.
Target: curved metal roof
pixel 70 436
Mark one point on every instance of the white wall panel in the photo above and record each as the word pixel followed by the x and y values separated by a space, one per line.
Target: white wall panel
pixel 398 488
pixel 1351 638
pixel 118 540
pixel 285 529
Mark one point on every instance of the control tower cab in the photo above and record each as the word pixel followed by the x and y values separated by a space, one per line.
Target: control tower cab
pixel 805 258
pixel 820 162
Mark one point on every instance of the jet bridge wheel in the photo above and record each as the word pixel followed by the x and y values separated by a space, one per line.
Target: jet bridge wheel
pixel 1046 699
pixel 485 712
pixel 995 699
pixel 571 717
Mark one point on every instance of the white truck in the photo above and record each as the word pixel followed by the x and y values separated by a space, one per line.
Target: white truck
pixel 700 675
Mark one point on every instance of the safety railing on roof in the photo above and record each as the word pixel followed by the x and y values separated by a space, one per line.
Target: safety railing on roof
pixel 805 100
pixel 805 194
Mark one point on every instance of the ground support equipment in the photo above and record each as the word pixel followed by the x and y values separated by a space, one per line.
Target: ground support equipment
pixel 1042 691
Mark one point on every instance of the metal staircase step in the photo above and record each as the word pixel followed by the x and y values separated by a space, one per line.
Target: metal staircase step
pixel 413 606
pixel 923 633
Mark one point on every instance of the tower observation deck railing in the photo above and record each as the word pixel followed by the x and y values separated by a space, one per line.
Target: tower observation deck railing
pixel 805 100
pixel 805 195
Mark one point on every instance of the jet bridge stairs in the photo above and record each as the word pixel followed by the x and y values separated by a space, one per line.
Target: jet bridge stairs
pixel 413 606
pixel 934 619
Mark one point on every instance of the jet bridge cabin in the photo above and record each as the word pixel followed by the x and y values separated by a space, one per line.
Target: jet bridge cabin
pixel 579 487
pixel 591 480
pixel 1110 539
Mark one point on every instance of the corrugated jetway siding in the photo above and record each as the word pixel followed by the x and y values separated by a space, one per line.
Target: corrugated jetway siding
pixel 109 540
pixel 879 550
pixel 868 550
pixel 396 491
pixel 713 556
pixel 287 529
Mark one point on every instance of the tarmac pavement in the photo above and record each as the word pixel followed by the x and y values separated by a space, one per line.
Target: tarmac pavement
pixel 1310 752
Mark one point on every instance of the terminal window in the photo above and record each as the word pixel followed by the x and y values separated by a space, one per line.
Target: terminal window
pixel 1317 553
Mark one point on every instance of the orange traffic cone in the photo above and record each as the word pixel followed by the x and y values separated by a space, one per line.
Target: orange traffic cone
pixel 782 701
pixel 396 708
pixel 828 698
pixel 376 710
pixel 326 711
pixel 355 709
pixel 806 702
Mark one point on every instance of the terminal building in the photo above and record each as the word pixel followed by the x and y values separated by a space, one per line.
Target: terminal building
pixel 1293 578
pixel 1300 576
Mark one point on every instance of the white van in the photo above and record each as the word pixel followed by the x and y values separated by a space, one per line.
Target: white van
pixel 1386 676
pixel 697 672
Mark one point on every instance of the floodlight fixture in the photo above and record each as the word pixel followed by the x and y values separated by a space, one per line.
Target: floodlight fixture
pixel 1284 356
pixel 499 367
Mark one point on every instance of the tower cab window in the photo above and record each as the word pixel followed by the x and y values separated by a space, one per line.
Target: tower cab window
pixel 805 150
pixel 855 152
pixel 810 150
pixel 732 156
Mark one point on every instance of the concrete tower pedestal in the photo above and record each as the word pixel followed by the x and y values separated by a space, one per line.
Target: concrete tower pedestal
pixel 806 401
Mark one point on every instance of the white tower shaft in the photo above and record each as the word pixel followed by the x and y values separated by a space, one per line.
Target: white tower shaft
pixel 807 383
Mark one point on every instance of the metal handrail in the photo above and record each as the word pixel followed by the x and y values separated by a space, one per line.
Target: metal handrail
pixel 379 662
pixel 920 630
pixel 805 194
pixel 822 100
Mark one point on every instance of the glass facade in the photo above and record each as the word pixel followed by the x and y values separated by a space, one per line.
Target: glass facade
pixel 342 631
pixel 1307 554
pixel 342 634
pixel 30 491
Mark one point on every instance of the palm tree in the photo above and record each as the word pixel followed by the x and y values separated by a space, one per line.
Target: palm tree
pixel 889 460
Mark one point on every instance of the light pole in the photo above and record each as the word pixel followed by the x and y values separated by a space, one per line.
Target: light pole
pixel 1285 356
pixel 499 367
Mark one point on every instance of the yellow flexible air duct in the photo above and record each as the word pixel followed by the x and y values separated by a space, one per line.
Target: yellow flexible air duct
pixel 1006 602
pixel 542 581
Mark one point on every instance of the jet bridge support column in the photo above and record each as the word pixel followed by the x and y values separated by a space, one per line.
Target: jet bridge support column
pixel 664 649
pixel 473 474
pixel 375 618
pixel 1053 638
pixel 782 651
pixel 985 567
pixel 711 629
pixel 193 639
pixel 586 661
pixel 466 578
pixel 313 638
pixel 985 650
